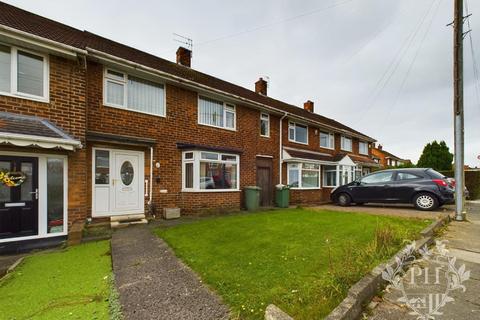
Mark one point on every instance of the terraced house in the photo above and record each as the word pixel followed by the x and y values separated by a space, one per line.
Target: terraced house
pixel 91 128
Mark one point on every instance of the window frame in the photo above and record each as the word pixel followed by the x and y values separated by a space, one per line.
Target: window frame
pixel 197 159
pixel 331 140
pixel 14 75
pixel 295 124
pixel 262 114
pixel 225 104
pixel 300 169
pixel 342 146
pixel 359 149
pixel 124 82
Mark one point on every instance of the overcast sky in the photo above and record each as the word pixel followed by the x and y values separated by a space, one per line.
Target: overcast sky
pixel 383 67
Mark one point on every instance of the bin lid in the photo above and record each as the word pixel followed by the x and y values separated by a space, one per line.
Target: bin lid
pixel 252 188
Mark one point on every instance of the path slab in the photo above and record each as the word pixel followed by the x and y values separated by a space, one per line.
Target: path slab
pixel 154 284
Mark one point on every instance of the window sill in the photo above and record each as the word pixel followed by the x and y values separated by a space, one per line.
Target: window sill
pixel 297 142
pixel 327 148
pixel 210 190
pixel 346 150
pixel 262 136
pixel 216 127
pixel 132 110
pixel 26 97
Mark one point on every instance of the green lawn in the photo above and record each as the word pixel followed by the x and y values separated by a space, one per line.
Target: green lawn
pixel 67 284
pixel 302 260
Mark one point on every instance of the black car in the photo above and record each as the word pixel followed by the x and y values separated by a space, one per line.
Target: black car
pixel 426 189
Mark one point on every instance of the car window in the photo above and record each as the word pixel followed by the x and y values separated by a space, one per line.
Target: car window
pixel 407 176
pixel 378 177
pixel 435 174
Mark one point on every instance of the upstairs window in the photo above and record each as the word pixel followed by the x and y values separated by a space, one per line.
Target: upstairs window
pixel 23 73
pixel 129 92
pixel 327 140
pixel 363 147
pixel 297 133
pixel 346 143
pixel 265 125
pixel 216 113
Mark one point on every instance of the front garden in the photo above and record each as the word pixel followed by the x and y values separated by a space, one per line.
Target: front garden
pixel 302 260
pixel 75 283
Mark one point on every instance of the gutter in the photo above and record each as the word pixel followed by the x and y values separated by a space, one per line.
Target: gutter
pixel 192 84
pixel 37 40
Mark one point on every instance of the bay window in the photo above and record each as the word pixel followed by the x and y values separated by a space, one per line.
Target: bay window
pixel 327 140
pixel 363 147
pixel 346 144
pixel 216 113
pixel 330 176
pixel 304 175
pixel 297 133
pixel 133 93
pixel 23 73
pixel 210 171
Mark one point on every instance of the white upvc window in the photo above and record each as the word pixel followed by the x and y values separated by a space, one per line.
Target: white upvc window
pixel 303 175
pixel 346 143
pixel 216 113
pixel 24 73
pixel 265 125
pixel 327 140
pixel 206 171
pixel 330 176
pixel 363 147
pixel 132 93
pixel 297 133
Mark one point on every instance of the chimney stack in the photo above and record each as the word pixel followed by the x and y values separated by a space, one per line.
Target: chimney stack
pixel 261 87
pixel 184 57
pixel 308 106
pixel 380 147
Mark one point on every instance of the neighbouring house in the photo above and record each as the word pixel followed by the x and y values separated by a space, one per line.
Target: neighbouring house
pixel 93 129
pixel 385 159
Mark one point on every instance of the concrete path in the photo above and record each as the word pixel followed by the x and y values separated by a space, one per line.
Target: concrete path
pixel 463 243
pixel 154 284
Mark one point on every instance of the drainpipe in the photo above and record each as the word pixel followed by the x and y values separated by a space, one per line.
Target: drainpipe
pixel 151 177
pixel 280 159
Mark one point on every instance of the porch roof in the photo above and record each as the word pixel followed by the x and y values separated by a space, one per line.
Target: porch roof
pixel 120 139
pixel 24 131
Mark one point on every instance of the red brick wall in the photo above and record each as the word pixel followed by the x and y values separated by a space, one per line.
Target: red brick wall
pixel 66 109
pixel 180 125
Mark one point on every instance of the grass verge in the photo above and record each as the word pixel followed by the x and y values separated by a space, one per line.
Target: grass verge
pixel 74 283
pixel 302 260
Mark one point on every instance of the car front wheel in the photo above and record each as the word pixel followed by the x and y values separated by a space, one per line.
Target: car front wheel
pixel 425 202
pixel 344 200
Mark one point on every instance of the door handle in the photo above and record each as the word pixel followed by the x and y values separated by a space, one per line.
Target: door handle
pixel 35 193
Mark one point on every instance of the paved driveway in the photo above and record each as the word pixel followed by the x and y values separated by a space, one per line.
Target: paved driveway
pixel 407 211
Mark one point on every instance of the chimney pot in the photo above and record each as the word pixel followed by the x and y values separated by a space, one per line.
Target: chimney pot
pixel 380 147
pixel 261 86
pixel 308 106
pixel 184 57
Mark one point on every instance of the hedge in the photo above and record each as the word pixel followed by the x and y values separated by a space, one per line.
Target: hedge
pixel 472 182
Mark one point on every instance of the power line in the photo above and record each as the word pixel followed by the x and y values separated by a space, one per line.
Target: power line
pixel 393 65
pixel 474 59
pixel 412 63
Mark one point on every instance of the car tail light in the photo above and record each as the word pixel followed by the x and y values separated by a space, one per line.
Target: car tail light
pixel 453 183
pixel 440 182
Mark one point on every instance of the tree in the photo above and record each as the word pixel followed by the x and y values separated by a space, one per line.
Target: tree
pixel 437 156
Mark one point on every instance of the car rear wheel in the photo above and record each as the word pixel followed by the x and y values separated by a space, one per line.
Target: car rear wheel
pixel 344 200
pixel 425 202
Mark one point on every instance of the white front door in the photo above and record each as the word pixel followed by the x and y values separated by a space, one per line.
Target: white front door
pixel 118 182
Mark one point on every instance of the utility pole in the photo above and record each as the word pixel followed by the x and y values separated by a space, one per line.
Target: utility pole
pixel 460 213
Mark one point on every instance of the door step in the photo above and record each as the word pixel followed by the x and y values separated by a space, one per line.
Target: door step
pixel 127 220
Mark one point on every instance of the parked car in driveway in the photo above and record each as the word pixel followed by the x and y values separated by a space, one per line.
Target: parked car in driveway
pixel 425 188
